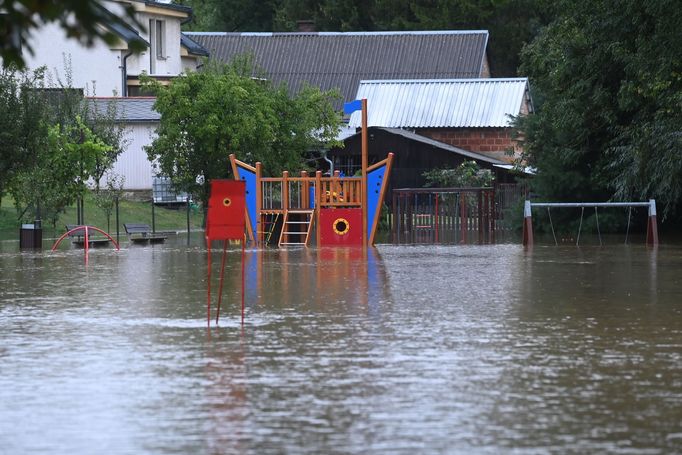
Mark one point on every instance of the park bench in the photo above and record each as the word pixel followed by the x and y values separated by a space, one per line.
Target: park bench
pixel 78 237
pixel 142 233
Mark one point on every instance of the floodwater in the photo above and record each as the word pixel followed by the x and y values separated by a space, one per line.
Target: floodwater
pixel 407 349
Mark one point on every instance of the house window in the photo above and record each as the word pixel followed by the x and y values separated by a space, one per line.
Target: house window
pixel 160 39
pixel 157 39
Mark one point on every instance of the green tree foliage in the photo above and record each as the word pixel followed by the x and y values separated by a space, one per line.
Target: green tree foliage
pixel 23 123
pixel 80 20
pixel 105 198
pixel 63 166
pixel 207 115
pixel 467 174
pixel 511 22
pixel 607 76
pixel 51 142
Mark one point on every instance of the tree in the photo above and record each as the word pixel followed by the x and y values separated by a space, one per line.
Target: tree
pixel 60 172
pixel 607 76
pixel 80 19
pixel 207 115
pixel 467 174
pixel 105 198
pixel 23 125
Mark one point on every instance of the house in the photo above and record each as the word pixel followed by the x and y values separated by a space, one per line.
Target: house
pixel 109 74
pixel 413 155
pixel 114 70
pixel 340 60
pixel 429 92
pixel 140 121
pixel 470 114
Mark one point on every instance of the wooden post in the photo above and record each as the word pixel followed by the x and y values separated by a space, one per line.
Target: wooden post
pixel 652 225
pixel 305 189
pixel 318 207
pixel 527 224
pixel 480 216
pixel 492 216
pixel 463 221
pixel 365 147
pixel 258 235
pixel 285 191
pixel 396 217
pixel 285 202
pixel 335 187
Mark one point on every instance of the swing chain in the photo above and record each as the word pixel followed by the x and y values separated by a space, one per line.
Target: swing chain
pixel 580 227
pixel 552 226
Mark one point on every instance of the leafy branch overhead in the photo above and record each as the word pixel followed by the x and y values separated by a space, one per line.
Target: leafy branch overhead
pixel 80 19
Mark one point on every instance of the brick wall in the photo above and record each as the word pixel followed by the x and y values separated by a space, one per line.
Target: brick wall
pixel 492 142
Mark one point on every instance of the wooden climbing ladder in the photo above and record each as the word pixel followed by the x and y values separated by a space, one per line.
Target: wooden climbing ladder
pixel 296 229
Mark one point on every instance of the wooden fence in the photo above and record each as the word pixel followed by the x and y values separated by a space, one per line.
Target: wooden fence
pixel 443 215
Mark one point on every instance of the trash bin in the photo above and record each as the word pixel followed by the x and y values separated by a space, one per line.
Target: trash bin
pixel 31 235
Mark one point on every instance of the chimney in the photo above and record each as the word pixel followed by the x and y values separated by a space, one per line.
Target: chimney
pixel 306 26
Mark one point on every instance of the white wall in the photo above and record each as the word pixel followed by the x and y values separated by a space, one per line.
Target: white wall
pixel 190 63
pixel 172 64
pixel 98 63
pixel 133 163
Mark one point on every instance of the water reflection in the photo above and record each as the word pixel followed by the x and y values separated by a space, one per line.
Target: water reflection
pixel 402 349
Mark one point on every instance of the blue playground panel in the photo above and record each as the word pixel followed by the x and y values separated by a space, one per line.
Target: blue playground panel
pixel 374 182
pixel 250 178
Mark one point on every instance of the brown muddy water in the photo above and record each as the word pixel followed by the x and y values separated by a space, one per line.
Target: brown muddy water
pixel 409 349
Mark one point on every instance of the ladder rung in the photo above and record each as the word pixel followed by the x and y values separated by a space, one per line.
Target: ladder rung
pixel 296 233
pixel 291 243
pixel 298 222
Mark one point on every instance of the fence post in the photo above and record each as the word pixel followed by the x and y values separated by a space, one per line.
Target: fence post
pixel 652 225
pixel 463 221
pixel 492 213
pixel 394 206
pixel 188 209
pixel 117 231
pixel 527 224
pixel 480 216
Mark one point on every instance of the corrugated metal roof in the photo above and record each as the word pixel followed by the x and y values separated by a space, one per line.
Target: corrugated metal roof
pixel 341 60
pixel 441 103
pixel 133 109
pixel 441 145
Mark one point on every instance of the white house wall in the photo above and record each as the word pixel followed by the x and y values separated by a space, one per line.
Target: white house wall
pixel 133 163
pixel 189 64
pixel 171 65
pixel 98 63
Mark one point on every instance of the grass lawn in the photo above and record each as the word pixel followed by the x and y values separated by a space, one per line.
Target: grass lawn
pixel 129 212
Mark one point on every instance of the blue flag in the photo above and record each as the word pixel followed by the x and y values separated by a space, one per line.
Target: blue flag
pixel 350 107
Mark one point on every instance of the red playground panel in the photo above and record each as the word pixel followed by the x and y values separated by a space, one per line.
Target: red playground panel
pixel 225 218
pixel 340 227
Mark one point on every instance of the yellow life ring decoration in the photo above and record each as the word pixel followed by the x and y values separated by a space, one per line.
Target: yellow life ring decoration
pixel 341 226
pixel 227 202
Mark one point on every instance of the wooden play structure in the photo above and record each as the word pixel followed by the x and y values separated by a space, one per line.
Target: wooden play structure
pixel 340 211
pixel 287 209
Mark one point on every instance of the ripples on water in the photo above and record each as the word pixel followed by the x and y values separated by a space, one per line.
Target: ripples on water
pixel 428 349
